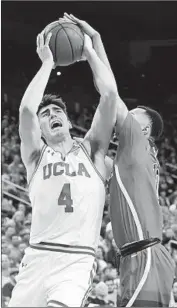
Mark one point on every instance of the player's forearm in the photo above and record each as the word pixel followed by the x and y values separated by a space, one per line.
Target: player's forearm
pixel 100 50
pixel 34 93
pixel 103 78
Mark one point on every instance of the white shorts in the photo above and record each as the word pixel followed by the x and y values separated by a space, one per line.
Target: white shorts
pixel 55 279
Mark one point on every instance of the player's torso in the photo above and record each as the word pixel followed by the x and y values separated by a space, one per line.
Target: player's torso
pixel 67 197
pixel 135 210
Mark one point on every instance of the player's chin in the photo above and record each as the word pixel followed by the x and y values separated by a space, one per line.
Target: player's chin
pixel 56 131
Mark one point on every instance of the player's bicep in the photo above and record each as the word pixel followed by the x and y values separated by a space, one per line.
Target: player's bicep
pixel 103 123
pixel 30 135
pixel 132 142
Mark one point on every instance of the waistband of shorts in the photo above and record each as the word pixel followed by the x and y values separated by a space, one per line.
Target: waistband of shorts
pixel 63 248
pixel 134 247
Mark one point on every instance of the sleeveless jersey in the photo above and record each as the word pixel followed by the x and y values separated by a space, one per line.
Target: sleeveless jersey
pixel 67 198
pixel 134 207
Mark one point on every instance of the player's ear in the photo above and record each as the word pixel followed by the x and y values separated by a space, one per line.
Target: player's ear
pixel 146 130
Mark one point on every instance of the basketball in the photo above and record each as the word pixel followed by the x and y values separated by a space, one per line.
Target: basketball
pixel 66 43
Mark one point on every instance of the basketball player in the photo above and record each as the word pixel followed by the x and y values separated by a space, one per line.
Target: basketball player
pixel 66 188
pixel 146 268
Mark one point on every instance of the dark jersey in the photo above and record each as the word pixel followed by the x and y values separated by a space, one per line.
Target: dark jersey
pixel 134 207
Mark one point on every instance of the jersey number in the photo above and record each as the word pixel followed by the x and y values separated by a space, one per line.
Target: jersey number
pixel 65 198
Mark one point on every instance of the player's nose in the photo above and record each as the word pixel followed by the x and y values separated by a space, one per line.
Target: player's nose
pixel 53 115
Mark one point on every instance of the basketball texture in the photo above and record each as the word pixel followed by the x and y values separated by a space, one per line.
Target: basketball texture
pixel 66 43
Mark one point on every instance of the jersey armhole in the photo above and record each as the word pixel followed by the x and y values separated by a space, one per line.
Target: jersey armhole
pixel 89 158
pixel 38 163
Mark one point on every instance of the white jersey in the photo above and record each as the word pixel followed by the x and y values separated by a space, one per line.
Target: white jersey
pixel 67 198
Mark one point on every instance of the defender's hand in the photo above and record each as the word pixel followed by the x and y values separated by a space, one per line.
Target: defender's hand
pixel 83 24
pixel 43 48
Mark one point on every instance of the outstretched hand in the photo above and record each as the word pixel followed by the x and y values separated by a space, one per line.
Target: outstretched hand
pixel 43 49
pixel 86 28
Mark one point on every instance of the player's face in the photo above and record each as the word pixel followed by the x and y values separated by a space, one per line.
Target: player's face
pixel 5 262
pixel 53 122
pixel 141 117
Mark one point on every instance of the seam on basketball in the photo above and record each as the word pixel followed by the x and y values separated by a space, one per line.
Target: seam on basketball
pixel 74 31
pixel 56 44
pixel 51 29
pixel 69 42
pixel 79 36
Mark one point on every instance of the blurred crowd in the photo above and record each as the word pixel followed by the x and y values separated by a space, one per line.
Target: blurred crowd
pixel 16 209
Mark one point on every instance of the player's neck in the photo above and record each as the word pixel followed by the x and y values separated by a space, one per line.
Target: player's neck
pixel 63 146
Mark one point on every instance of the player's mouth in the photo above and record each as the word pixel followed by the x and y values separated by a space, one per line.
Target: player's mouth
pixel 56 124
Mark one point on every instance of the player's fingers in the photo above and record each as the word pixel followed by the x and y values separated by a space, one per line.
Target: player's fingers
pixel 37 40
pixel 76 19
pixel 66 15
pixel 37 50
pixel 69 19
pixel 66 19
pixel 48 39
pixel 41 39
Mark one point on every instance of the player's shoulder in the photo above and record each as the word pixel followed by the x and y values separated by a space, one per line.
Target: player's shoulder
pixel 130 123
pixel 131 131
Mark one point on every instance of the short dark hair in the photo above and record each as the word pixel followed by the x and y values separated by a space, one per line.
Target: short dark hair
pixel 49 99
pixel 157 122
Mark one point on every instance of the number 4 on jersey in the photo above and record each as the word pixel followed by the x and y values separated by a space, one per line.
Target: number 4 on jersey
pixel 65 198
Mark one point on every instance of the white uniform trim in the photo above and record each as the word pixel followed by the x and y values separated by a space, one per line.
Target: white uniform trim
pixel 140 235
pixel 130 204
pixel 143 279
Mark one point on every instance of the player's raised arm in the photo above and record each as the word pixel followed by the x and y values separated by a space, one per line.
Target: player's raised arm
pixel 98 46
pixel 104 119
pixel 29 128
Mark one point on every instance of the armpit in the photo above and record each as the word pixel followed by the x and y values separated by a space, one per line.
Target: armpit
pixel 34 157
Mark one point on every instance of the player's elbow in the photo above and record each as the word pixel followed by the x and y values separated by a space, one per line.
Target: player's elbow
pixel 26 111
pixel 110 97
pixel 110 88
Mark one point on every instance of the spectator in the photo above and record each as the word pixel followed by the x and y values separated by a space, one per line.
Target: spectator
pixel 25 234
pixel 112 292
pixel 5 265
pixel 101 293
pixel 13 168
pixel 100 259
pixel 19 220
pixel 22 248
pixel 15 254
pixel 9 233
pixel 8 286
pixel 5 247
pixel 92 295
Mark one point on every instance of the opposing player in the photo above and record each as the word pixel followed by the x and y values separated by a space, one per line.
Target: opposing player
pixel 66 188
pixel 146 268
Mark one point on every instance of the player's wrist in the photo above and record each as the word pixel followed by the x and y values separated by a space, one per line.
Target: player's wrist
pixel 89 53
pixel 49 63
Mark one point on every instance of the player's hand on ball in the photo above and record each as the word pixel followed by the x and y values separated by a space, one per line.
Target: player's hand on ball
pixel 43 48
pixel 83 25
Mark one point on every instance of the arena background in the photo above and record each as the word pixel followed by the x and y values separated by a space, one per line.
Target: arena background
pixel 141 42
